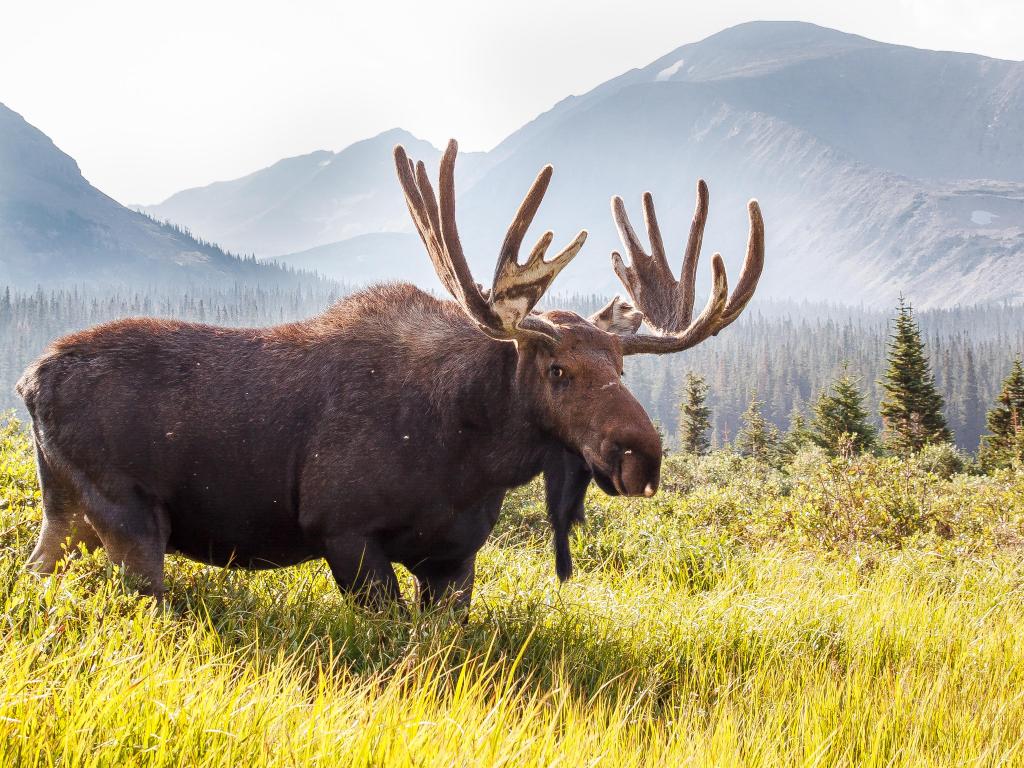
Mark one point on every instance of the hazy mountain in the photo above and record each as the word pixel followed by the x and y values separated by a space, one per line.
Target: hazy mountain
pixel 370 258
pixel 880 169
pixel 55 227
pixel 302 202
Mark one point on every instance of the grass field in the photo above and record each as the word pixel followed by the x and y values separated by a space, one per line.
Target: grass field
pixel 839 613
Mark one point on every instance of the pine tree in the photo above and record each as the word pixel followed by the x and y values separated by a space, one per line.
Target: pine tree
pixel 840 423
pixel 1006 423
pixel 694 417
pixel 758 438
pixel 912 407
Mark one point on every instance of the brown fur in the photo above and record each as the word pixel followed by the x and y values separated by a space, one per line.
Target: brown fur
pixel 386 429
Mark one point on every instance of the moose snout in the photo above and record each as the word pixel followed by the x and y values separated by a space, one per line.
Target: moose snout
pixel 634 459
pixel 636 472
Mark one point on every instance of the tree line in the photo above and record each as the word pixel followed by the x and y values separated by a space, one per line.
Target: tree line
pixel 785 353
pixel 912 412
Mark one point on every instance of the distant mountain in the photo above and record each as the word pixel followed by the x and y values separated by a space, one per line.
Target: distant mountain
pixel 371 258
pixel 57 228
pixel 880 168
pixel 302 202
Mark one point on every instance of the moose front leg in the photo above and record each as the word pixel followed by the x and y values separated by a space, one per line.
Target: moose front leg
pixel 361 568
pixel 445 580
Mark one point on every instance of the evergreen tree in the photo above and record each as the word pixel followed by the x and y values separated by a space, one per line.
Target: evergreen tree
pixel 694 417
pixel 1006 423
pixel 840 422
pixel 798 436
pixel 758 438
pixel 912 407
pixel 972 413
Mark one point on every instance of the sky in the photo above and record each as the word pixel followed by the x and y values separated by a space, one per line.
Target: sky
pixel 154 97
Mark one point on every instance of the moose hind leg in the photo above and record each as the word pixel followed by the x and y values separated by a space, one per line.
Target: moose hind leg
pixel 64 524
pixel 134 531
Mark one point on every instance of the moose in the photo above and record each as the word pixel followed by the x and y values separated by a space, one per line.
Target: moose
pixel 387 429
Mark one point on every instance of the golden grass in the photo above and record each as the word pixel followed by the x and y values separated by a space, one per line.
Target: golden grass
pixel 690 637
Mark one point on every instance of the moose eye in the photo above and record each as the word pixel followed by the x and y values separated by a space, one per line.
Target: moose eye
pixel 557 372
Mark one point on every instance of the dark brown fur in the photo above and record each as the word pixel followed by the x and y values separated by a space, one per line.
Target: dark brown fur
pixel 386 429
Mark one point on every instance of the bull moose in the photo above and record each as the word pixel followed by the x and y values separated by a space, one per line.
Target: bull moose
pixel 386 429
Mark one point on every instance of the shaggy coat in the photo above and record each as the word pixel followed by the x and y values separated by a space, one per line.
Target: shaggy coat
pixel 387 429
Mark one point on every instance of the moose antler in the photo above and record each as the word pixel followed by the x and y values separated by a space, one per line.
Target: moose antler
pixel 667 303
pixel 503 312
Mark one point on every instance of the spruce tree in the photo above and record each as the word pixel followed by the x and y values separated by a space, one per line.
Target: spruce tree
pixel 758 438
pixel 798 436
pixel 840 423
pixel 972 412
pixel 1006 423
pixel 694 417
pixel 912 407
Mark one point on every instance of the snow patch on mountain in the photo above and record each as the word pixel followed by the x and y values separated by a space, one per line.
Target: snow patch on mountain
pixel 670 71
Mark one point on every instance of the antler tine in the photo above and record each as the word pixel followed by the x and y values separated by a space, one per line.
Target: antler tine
pixel 471 295
pixel 653 230
pixel 688 275
pixel 752 266
pixel 426 191
pixel 708 320
pixel 428 202
pixel 626 233
pixel 521 222
pixel 414 200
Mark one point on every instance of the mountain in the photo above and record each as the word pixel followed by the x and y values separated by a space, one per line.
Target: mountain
pixel 57 228
pixel 370 258
pixel 302 202
pixel 880 168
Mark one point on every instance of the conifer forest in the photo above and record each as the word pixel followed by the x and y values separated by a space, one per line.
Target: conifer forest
pixel 785 354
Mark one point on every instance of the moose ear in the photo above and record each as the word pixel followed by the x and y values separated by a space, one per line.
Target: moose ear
pixel 566 477
pixel 618 316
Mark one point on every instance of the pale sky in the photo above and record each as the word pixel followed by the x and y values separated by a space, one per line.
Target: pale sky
pixel 153 97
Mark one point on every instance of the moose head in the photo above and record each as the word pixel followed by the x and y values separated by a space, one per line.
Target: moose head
pixel 569 368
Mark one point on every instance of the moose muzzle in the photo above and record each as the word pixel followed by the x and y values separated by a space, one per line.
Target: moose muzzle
pixel 628 461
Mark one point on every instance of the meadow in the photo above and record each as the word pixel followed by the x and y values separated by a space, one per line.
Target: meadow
pixel 835 612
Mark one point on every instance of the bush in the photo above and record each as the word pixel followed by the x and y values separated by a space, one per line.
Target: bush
pixel 942 459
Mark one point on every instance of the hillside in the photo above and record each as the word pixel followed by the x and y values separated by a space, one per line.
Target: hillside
pixel 880 169
pixel 56 228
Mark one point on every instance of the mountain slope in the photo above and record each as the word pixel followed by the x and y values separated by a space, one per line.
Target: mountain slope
pixel 827 130
pixel 370 258
pixel 57 228
pixel 837 229
pixel 303 201
pixel 880 169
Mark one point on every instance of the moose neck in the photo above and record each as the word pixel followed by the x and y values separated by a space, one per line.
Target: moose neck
pixel 501 411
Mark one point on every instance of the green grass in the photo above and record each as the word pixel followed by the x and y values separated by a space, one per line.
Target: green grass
pixel 865 613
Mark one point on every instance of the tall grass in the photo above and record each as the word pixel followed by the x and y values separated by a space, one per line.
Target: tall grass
pixel 841 614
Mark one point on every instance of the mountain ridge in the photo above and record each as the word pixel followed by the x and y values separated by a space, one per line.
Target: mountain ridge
pixel 881 168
